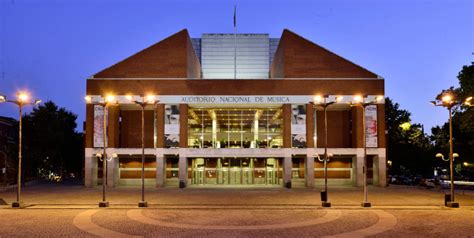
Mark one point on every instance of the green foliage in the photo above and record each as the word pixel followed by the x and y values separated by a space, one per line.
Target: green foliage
pixel 463 121
pixel 51 144
pixel 409 148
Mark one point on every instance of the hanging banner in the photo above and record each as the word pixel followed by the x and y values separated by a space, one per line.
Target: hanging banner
pixel 171 125
pixel 298 126
pixel 98 137
pixel 371 126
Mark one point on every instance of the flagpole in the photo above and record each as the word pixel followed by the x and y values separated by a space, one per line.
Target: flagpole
pixel 235 43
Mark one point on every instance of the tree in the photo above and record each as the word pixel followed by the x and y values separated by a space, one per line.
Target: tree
pixel 409 148
pixel 51 143
pixel 463 121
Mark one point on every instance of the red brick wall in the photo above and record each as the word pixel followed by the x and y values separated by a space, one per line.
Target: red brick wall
pixel 301 58
pixel 193 65
pixel 235 87
pixel 130 134
pixel 165 59
pixel 338 129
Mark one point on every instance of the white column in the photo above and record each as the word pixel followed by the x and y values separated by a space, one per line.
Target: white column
pixel 359 169
pixel 287 165
pixel 380 169
pixel 112 172
pixel 309 173
pixel 255 131
pixel 214 132
pixel 160 171
pixel 183 169
pixel 90 171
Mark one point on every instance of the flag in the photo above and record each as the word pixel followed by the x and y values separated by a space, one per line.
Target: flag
pixel 235 16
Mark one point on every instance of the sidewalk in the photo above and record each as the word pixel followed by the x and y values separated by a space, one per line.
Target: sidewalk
pixel 57 194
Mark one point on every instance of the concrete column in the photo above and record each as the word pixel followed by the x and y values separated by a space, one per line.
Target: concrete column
pixel 160 171
pixel 287 165
pixel 309 173
pixel 113 172
pixel 183 170
pixel 90 171
pixel 359 170
pixel 380 171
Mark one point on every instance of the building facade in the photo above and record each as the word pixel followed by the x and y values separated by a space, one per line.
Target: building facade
pixel 235 110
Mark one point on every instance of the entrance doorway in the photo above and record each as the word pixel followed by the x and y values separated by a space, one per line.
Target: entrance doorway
pixel 236 171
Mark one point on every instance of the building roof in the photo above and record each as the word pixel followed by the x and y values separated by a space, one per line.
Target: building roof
pixel 173 57
pixel 295 57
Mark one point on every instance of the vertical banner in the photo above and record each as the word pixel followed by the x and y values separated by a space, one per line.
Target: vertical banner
pixel 98 135
pixel 171 125
pixel 371 126
pixel 298 126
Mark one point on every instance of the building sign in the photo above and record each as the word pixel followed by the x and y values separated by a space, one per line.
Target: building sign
pixel 237 99
pixel 171 125
pixel 371 126
pixel 298 125
pixel 98 126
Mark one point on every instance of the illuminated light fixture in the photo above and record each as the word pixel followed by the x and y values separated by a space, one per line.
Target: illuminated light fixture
pixel 129 97
pixel 37 101
pixel 379 98
pixel 357 98
pixel 339 98
pixel 405 126
pixel 88 99
pixel 109 98
pixel 318 98
pixel 447 98
pixel 22 97
pixel 150 98
pixel 455 155
pixel 467 102
pixel 3 98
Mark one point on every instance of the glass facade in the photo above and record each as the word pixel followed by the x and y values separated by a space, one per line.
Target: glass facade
pixel 236 171
pixel 235 128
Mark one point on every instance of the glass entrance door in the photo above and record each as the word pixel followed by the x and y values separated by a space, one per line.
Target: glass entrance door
pixel 235 171
pixel 271 172
pixel 198 171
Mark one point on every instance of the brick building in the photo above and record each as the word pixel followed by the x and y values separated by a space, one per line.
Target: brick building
pixel 235 110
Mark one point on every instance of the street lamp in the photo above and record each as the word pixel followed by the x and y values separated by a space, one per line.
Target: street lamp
pixel 359 100
pixel 21 101
pixel 321 101
pixel 148 100
pixel 448 101
pixel 107 101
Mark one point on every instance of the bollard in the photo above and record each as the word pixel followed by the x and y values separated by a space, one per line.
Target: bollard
pixel 447 198
pixel 324 196
pixel 182 184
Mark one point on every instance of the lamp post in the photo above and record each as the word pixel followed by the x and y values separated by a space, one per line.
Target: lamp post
pixel 448 101
pixel 321 101
pixel 21 101
pixel 359 100
pixel 150 100
pixel 108 100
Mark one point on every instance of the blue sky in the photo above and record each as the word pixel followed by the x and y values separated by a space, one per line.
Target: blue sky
pixel 50 47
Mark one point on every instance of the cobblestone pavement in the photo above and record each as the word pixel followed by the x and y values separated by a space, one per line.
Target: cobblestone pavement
pixel 397 212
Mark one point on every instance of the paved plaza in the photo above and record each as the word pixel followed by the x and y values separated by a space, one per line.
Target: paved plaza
pixel 398 211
